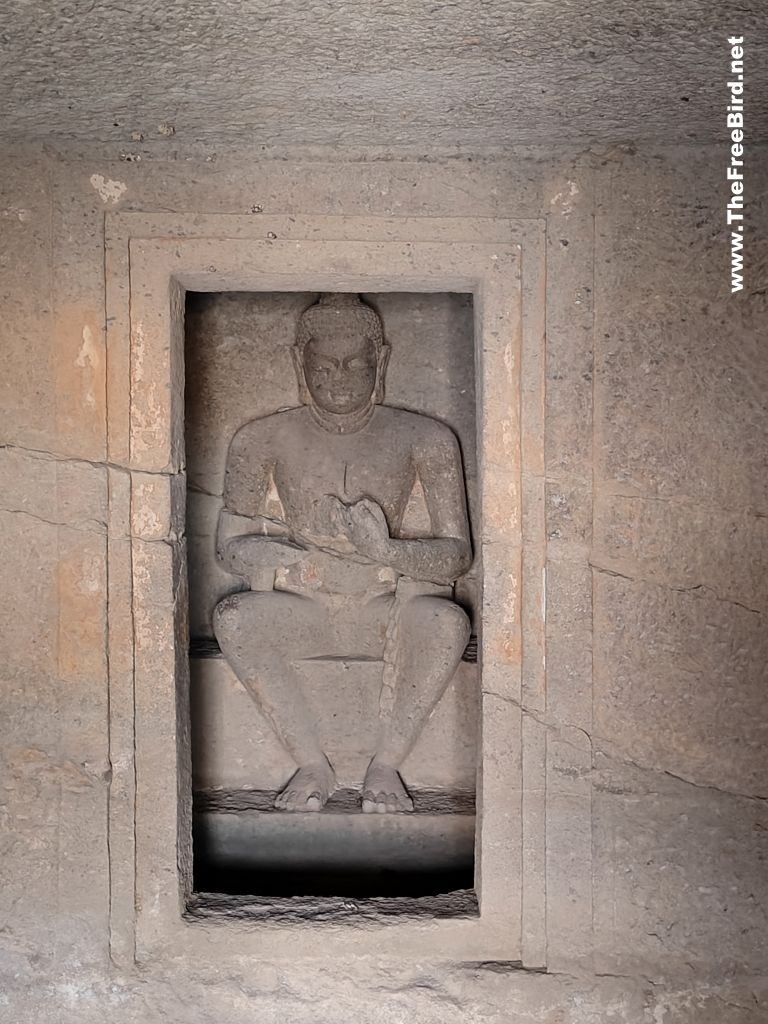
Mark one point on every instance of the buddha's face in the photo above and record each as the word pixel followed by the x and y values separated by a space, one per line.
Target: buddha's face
pixel 340 367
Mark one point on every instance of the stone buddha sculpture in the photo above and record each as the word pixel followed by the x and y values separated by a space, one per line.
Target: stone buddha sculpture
pixel 314 503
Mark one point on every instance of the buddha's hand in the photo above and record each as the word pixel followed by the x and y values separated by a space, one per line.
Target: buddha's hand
pixel 365 524
pixel 246 555
pixel 326 530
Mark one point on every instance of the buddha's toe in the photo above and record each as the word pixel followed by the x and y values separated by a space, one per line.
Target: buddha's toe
pixel 404 802
pixel 308 790
pixel 384 792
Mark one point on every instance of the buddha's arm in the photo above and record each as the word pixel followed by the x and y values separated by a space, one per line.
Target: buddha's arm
pixel 447 554
pixel 243 545
pixel 433 559
pixel 247 541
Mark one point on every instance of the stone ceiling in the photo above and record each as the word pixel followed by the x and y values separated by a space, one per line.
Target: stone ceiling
pixel 470 73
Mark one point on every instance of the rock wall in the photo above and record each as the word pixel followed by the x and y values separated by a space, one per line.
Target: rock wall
pixel 657 504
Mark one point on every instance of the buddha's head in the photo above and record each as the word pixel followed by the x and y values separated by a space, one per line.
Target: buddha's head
pixel 341 356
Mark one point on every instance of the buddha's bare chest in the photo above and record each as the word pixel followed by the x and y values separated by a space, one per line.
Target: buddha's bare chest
pixel 346 469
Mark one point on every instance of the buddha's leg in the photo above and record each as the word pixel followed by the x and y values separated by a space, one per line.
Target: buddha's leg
pixel 429 640
pixel 262 635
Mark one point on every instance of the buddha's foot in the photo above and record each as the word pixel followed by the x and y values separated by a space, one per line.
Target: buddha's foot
pixel 383 790
pixel 308 789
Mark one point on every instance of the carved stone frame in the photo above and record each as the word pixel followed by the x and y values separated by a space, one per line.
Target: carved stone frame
pixel 150 261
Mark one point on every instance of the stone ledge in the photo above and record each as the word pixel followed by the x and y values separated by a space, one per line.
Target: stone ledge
pixel 208 647
pixel 343 801
pixel 334 909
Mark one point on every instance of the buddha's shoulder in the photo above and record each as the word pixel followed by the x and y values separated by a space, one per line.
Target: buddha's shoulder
pixel 416 425
pixel 265 429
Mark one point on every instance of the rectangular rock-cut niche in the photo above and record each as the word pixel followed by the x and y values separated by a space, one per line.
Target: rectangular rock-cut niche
pixel 334 588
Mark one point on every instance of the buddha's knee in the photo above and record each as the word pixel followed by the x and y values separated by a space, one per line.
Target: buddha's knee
pixel 250 616
pixel 440 618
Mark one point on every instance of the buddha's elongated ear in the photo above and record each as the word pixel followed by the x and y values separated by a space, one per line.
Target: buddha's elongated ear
pixel 381 373
pixel 298 365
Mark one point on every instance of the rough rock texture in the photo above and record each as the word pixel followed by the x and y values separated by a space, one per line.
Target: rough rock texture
pixel 284 72
pixel 656 430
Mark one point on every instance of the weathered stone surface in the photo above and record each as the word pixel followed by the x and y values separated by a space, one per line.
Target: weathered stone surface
pixel 27 389
pixel 679 873
pixel 681 380
pixel 680 683
pixel 427 993
pixel 684 545
pixel 54 770
pixel 59 492
pixel 450 75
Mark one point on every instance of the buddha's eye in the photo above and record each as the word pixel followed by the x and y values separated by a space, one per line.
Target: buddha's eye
pixel 357 364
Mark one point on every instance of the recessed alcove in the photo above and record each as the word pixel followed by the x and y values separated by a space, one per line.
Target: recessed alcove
pixel 153 264
pixel 238 368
